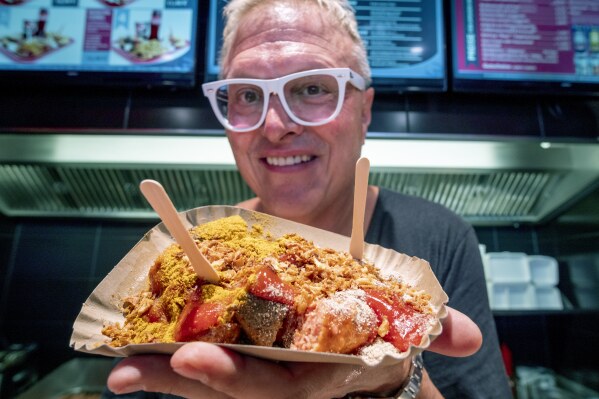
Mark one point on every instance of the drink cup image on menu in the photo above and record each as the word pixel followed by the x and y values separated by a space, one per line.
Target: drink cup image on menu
pixel 149 35
pixel 594 40
pixel 580 39
pixel 41 35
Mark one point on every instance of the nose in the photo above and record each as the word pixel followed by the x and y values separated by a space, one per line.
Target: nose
pixel 277 124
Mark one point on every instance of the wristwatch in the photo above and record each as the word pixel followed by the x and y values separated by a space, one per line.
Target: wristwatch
pixel 407 391
pixel 411 389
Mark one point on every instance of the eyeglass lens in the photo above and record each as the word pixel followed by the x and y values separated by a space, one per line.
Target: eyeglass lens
pixel 310 98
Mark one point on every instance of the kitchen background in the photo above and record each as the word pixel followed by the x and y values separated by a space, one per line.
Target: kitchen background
pixel 522 167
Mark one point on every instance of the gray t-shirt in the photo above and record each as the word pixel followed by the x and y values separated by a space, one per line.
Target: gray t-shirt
pixel 430 231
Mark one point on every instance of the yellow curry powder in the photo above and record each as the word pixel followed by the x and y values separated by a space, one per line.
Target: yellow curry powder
pixel 233 233
pixel 177 278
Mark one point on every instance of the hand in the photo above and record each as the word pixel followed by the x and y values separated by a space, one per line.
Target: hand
pixel 201 370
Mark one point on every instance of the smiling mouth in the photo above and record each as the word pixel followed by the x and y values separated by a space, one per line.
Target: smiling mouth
pixel 288 161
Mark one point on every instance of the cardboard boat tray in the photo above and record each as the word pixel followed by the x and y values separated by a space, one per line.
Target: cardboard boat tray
pixel 130 276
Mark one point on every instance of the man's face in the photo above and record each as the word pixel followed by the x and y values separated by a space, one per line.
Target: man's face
pixel 297 171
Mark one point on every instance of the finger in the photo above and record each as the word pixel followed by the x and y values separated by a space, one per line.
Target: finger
pixel 461 336
pixel 247 377
pixel 153 373
pixel 230 372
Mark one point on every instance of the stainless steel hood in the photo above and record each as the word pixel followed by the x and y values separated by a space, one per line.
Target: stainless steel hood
pixel 488 182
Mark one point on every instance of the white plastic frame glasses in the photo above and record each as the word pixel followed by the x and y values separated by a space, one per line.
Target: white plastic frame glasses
pixel 277 86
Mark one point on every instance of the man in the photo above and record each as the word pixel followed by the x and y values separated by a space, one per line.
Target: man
pixel 296 118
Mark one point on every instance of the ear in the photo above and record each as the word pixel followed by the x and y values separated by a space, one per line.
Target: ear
pixel 367 99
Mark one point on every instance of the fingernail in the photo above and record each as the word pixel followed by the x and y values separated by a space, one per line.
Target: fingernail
pixel 127 389
pixel 203 378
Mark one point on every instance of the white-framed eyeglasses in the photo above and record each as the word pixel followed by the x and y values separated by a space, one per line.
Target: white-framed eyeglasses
pixel 310 98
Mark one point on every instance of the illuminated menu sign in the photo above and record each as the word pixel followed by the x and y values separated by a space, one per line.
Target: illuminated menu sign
pixel 404 40
pixel 98 35
pixel 532 40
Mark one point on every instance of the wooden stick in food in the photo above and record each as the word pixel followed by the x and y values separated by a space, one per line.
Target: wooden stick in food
pixel 356 244
pixel 162 204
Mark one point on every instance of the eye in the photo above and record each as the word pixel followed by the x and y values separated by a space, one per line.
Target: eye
pixel 313 90
pixel 248 96
pixel 313 87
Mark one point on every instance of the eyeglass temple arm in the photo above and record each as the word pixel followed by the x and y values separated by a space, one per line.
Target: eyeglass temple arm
pixel 356 80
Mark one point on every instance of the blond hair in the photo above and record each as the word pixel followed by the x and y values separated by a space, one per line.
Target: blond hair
pixel 340 10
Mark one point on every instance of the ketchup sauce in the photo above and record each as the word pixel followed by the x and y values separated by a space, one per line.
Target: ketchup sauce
pixel 406 325
pixel 269 286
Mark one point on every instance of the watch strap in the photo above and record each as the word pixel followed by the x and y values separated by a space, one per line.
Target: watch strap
pixel 411 389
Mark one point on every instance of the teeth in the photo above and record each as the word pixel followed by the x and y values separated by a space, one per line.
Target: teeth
pixel 287 161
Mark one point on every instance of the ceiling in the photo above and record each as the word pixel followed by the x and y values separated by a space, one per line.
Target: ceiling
pixel 488 182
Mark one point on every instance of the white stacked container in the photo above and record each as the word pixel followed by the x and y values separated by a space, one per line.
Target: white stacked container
pixel 517 281
pixel 545 277
pixel 509 281
pixel 584 277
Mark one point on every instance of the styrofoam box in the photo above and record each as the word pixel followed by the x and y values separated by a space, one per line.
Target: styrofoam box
pixel 485 260
pixel 583 272
pixel 548 298
pixel 508 267
pixel 512 296
pixel 587 297
pixel 543 270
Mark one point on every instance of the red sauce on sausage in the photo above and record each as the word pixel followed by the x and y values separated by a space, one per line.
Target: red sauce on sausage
pixel 269 286
pixel 406 325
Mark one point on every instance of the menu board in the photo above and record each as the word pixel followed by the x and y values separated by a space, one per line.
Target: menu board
pixel 133 38
pixel 404 41
pixel 527 42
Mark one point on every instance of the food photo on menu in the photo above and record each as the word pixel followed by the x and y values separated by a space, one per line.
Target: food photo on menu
pixel 150 36
pixel 116 3
pixel 33 34
pixel 12 2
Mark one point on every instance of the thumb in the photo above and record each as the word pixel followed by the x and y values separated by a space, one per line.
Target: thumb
pixel 461 336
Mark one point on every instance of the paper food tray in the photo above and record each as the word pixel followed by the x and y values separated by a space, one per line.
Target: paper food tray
pixel 130 276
